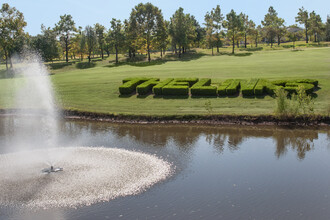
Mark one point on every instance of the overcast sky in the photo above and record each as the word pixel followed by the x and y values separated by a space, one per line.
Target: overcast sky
pixel 89 12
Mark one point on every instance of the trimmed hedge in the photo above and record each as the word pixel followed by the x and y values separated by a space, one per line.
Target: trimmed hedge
pixel 157 89
pixel 129 86
pixel 248 87
pixel 233 88
pixel 180 86
pixel 223 86
pixel 146 87
pixel 175 90
pixel 191 81
pixel 177 87
pixel 203 88
pixel 293 87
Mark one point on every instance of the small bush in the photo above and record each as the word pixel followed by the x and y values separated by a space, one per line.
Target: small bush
pixel 130 86
pixel 248 87
pixel 146 87
pixel 157 89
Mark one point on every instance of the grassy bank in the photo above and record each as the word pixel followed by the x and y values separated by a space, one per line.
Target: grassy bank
pixel 96 89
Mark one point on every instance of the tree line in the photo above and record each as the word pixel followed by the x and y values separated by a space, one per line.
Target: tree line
pixel 147 31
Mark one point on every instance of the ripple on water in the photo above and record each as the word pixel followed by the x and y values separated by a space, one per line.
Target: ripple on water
pixel 90 175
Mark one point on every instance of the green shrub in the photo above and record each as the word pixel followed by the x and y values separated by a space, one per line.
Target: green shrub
pixel 204 91
pixel 175 90
pixel 292 87
pixel 129 86
pixel 146 87
pixel 203 88
pixel 223 86
pixel 157 89
pixel 233 88
pixel 310 81
pixel 280 82
pixel 259 89
pixel 248 87
pixel 191 81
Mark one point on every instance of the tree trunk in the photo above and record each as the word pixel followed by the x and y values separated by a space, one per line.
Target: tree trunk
pixel 116 53
pixel 149 53
pixel 89 57
pixel 245 41
pixel 179 52
pixel 294 46
pixel 217 49
pixel 256 41
pixel 102 52
pixel 271 42
pixel 315 37
pixel 233 45
pixel 175 50
pixel 66 50
pixel 212 50
pixel 278 40
pixel 306 34
pixel 161 53
pixel 6 58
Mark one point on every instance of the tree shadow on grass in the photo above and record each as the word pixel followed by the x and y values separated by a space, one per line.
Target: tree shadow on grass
pixel 201 97
pixel 127 96
pixel 235 54
pixel 175 96
pixel 56 66
pixel 85 65
pixel 167 58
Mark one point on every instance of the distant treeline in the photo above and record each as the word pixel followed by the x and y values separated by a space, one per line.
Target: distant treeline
pixel 147 31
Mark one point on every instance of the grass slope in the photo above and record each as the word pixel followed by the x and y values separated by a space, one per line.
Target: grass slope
pixel 96 89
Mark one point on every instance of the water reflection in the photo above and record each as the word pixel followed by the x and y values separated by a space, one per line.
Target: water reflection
pixel 220 137
pixel 184 137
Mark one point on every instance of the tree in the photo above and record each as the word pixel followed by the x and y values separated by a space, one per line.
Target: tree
pixel 209 30
pixel 11 31
pixel 145 16
pixel 99 30
pixel 280 30
pixel 245 27
pixel 182 30
pixel 91 40
pixel 116 35
pixel 80 43
pixel 199 32
pixel 294 33
pixel 160 40
pixel 217 19
pixel 327 29
pixel 271 24
pixel 303 18
pixel 66 28
pixel 233 25
pixel 316 25
pixel 46 44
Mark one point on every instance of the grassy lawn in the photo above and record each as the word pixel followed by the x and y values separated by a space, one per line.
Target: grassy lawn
pixel 96 89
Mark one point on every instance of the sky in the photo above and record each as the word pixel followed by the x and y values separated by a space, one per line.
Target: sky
pixel 90 12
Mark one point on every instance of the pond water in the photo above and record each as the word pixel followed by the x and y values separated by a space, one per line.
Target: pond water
pixel 220 172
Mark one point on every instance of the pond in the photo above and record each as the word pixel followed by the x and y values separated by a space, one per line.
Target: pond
pixel 228 172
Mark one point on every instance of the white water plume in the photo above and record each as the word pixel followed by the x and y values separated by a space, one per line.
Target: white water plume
pixel 33 96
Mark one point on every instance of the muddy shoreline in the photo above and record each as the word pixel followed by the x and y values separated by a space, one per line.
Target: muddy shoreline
pixel 303 120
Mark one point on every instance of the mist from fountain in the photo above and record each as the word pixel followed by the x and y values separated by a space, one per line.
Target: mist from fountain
pixel 90 175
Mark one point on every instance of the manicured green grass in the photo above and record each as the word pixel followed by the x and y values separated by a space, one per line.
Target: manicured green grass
pixel 96 89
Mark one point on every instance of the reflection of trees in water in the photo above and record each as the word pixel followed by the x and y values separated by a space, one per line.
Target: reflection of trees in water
pixel 186 136
pixel 300 141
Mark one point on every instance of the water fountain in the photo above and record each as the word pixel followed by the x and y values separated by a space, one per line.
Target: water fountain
pixel 38 173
